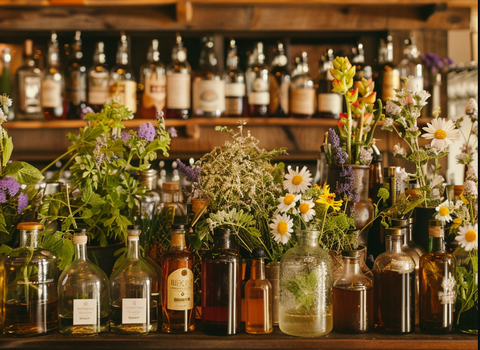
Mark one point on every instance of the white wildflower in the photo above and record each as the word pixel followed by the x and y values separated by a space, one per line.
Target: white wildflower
pixel 470 188
pixel 442 133
pixel 392 109
pixel 399 150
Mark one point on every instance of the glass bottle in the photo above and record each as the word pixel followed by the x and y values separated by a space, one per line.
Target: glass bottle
pixel 221 280
pixel 177 284
pixel 358 60
pixel 208 89
pixel 133 305
pixel 28 82
pixel 83 293
pixel 98 79
pixel 258 84
pixel 411 65
pixel 389 74
pixel 306 282
pixel 30 288
pixel 376 175
pixel 170 199
pixel 150 202
pixel 394 288
pixel 178 83
pixel 438 284
pixel 329 103
pixel 302 92
pixel 76 79
pixel 352 297
pixel 123 87
pixel 53 83
pixel 6 86
pixel 279 84
pixel 258 297
pixel 154 81
pixel 235 100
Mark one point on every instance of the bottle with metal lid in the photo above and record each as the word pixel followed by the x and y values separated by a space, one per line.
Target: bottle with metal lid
pixel 390 183
pixel 171 199
pixel 30 288
pixel 149 203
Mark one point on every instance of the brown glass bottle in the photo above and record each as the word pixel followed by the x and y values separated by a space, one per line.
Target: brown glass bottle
pixel 376 175
pixel 258 85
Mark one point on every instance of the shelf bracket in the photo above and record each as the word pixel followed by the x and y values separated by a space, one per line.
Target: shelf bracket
pixel 184 11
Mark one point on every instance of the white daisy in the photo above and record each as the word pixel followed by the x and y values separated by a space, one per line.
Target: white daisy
pixel 282 228
pixel 288 202
pixel 442 132
pixel 297 182
pixel 444 210
pixel 468 236
pixel 306 209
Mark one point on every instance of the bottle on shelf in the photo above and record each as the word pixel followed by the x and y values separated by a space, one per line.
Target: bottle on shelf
pixel 178 83
pixel 75 79
pixel 6 83
pixel 358 60
pixel 302 92
pixel 123 86
pixel 411 65
pixel 153 81
pixel 170 198
pixel 150 202
pixel 98 79
pixel 258 84
pixel 376 174
pixel 133 285
pixel 388 74
pixel 279 84
pixel 329 103
pixel 83 293
pixel 177 284
pixel 53 83
pixel 235 99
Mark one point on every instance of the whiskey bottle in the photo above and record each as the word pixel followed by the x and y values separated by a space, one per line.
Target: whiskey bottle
pixel 178 83
pixel 258 84
pixel 177 284
pixel 153 80
pixel 329 103
pixel 389 74
pixel 235 99
pixel 83 293
pixel 53 83
pixel 133 285
pixel 279 84
pixel 411 65
pixel 6 83
pixel 302 92
pixel 98 79
pixel 76 79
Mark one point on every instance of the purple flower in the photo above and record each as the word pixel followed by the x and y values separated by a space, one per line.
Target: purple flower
pixel 10 184
pixel 3 197
pixel 192 174
pixel 125 136
pixel 147 131
pixel 172 131
pixel 86 111
pixel 339 154
pixel 22 202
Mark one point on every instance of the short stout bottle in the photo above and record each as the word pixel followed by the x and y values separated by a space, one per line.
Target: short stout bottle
pixel 235 99
pixel 177 284
pixel 98 79
pixel 258 297
pixel 302 92
pixel 438 284
pixel 258 84
pixel 279 84
pixel 329 103
pixel 153 80
pixel 75 79
pixel 83 293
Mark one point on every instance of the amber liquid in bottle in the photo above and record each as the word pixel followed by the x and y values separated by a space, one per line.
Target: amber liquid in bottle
pixel 350 306
pixel 23 318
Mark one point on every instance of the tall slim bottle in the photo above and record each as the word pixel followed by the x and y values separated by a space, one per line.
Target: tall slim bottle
pixel 235 99
pixel 389 74
pixel 153 80
pixel 98 79
pixel 411 65
pixel 133 285
pixel 329 103
pixel 83 293
pixel 76 79
pixel 302 92
pixel 279 84
pixel 258 85
pixel 6 83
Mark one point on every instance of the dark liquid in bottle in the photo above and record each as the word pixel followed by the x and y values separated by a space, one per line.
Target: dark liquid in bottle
pixel 30 319
pixel 353 310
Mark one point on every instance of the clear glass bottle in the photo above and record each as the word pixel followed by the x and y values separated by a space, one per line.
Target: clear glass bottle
pixel 235 99
pixel 150 203
pixel 438 284
pixel 329 103
pixel 123 86
pixel 358 60
pixel 394 288
pixel 306 281
pixel 178 83
pixel 153 80
pixel 83 293
pixel 279 84
pixel 302 92
pixel 258 84
pixel 352 297
pixel 170 198
pixel 28 87
pixel 411 65
pixel 177 284
pixel 98 79
pixel 30 288
pixel 75 79
pixel 53 83
pixel 133 285
pixel 6 83
pixel 258 297
pixel 221 280
pixel 389 74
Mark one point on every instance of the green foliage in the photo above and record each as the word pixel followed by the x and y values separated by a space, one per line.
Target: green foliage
pixel 467 286
pixel 303 287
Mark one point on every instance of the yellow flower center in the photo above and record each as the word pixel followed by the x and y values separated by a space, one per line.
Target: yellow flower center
pixel 297 180
pixel 288 199
pixel 444 211
pixel 330 199
pixel 304 208
pixel 470 236
pixel 282 228
pixel 440 134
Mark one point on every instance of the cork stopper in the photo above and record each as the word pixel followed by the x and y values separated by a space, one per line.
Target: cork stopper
pixel 133 231
pixel 435 229
pixel 29 226
pixel 171 186
pixel 80 239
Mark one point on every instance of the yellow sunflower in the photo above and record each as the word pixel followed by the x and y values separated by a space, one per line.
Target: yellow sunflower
pixel 328 198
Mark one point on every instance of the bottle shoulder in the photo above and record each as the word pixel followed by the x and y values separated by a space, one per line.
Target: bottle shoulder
pixel 82 270
pixel 138 268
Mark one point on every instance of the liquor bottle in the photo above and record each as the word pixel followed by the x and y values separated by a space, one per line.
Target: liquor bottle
pixel 438 284
pixel 178 83
pixel 208 91
pixel 53 83
pixel 6 82
pixel 153 80
pixel 394 288
pixel 28 81
pixel 411 65
pixel 376 175
pixel 352 297
pixel 235 99
pixel 31 299
pixel 258 84
pixel 302 92
pixel 133 305
pixel 221 280
pixel 76 79
pixel 98 79
pixel 170 198
pixel 279 85
pixel 389 75
pixel 329 103
pixel 83 293
pixel 123 87
pixel 258 297
pixel 177 284
pixel 358 60
pixel 150 202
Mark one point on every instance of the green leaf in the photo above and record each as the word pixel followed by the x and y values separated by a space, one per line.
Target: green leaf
pixel 24 173
pixel 7 148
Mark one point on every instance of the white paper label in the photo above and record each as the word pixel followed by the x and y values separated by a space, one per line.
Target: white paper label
pixel 180 290
pixel 178 91
pixel 125 92
pixel 98 90
pixel 303 101
pixel 235 89
pixel 209 95
pixel 330 103
pixel 30 100
pixel 134 310
pixel 51 93
pixel 154 94
pixel 258 98
pixel 84 312
pixel 449 294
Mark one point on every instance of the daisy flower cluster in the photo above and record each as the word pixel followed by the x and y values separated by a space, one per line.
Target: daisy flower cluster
pixel 470 140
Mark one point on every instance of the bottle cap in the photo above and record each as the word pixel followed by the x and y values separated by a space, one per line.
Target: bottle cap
pixel 258 253
pixel 171 186
pixel 79 239
pixel 29 226
pixel 133 231
pixel 354 253
pixel 79 231
pixel 390 171
pixel 399 223
pixel 394 231
pixel 177 227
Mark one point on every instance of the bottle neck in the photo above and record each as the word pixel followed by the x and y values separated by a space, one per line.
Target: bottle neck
pixel 257 271
pixel 223 241
pixel 29 239
pixel 178 240
pixel 395 243
pixel 309 239
pixel 351 265
pixel 81 251
pixel 436 244
pixel 133 249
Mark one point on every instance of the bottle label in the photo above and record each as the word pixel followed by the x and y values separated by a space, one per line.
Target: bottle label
pixel 209 95
pixel 284 96
pixel 449 294
pixel 125 93
pixel 330 103
pixel 134 310
pixel 234 105
pixel 77 89
pixel 260 85
pixel 415 84
pixel 303 101
pixel 98 90
pixel 30 97
pixel 391 81
pixel 178 91
pixel 84 312
pixel 155 91
pixel 51 93
pixel 435 231
pixel 235 89
pixel 180 290
pixel 402 266
pixel 258 98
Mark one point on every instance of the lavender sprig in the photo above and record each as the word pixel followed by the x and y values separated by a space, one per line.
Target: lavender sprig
pixel 192 174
